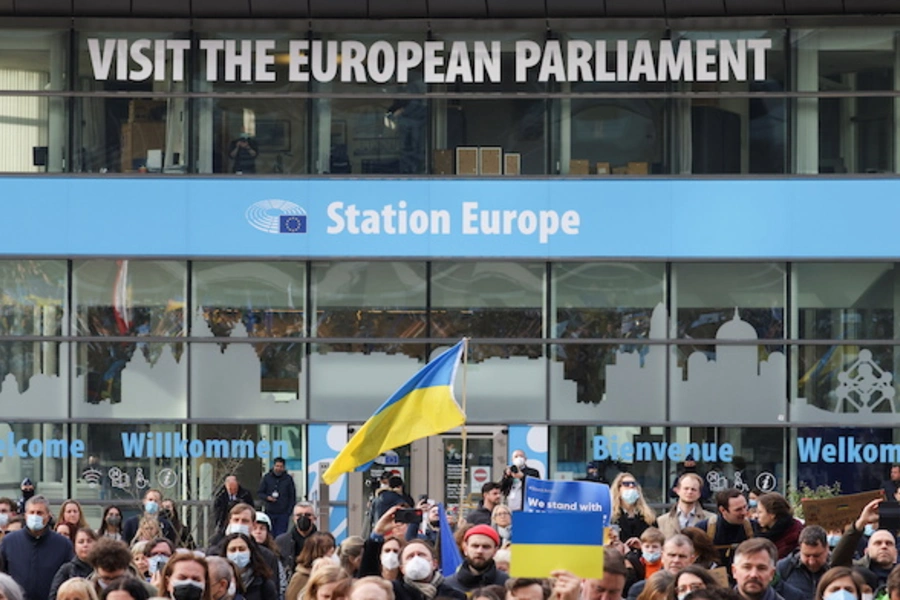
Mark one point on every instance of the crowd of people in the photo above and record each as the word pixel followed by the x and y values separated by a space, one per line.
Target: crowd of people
pixel 687 553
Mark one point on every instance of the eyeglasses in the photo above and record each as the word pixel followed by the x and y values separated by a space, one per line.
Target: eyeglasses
pixel 628 484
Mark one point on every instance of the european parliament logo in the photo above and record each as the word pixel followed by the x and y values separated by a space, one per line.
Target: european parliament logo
pixel 276 216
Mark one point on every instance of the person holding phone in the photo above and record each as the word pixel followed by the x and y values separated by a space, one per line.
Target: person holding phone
pixel 881 551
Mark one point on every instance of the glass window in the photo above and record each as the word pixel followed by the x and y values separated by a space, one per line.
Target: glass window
pixel 850 384
pixel 44 458
pixel 850 134
pixel 495 300
pixel 33 60
pixel 32 297
pixel 811 469
pixel 365 300
pixel 35 134
pixel 845 301
pixel 611 301
pixel 729 303
pixel 385 130
pixel 129 297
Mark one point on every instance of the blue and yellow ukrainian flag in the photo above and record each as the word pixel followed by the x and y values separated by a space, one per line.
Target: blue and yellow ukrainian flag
pixel 548 541
pixel 422 407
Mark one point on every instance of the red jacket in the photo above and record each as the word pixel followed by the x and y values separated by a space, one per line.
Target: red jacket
pixel 789 540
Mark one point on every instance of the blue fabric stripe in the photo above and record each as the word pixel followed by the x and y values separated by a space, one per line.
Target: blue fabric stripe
pixel 559 528
pixel 439 372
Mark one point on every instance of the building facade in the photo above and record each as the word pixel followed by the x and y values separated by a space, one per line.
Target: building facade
pixel 230 232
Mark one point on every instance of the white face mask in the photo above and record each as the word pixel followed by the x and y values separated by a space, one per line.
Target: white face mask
pixel 417 569
pixel 336 559
pixel 4 519
pixel 390 560
pixel 519 461
pixel 232 590
pixel 237 528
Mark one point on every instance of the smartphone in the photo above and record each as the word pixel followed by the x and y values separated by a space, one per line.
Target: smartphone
pixel 408 515
pixel 889 516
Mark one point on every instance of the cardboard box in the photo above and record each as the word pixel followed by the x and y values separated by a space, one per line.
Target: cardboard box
pixel 466 161
pixel 443 162
pixel 837 512
pixel 512 163
pixel 603 168
pixel 638 168
pixel 137 140
pixel 620 171
pixel 578 166
pixel 490 161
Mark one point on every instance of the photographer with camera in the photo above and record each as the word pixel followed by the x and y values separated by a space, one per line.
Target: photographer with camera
pixel 513 480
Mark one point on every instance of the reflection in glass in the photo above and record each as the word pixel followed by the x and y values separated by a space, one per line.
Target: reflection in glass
pixel 251 381
pixel 49 475
pixel 710 296
pixel 130 380
pixel 33 59
pixel 370 300
pixel 591 381
pixel 845 301
pixel 129 297
pixel 32 297
pixel 249 299
pixel 33 379
pixel 488 299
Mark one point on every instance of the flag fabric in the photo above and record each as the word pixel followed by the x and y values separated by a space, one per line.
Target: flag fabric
pixel 120 301
pixel 450 556
pixel 422 407
pixel 549 541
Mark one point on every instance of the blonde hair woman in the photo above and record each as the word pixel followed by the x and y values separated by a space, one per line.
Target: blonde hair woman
pixel 501 521
pixel 148 529
pixel 76 589
pixel 326 583
pixel 629 508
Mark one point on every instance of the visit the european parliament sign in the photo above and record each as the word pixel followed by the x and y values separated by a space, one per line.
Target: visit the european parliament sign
pixel 352 61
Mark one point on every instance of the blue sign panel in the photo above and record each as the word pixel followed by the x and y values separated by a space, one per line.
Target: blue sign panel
pixel 459 218
pixel 542 495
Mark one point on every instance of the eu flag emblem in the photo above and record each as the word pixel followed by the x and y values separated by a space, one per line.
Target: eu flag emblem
pixel 292 224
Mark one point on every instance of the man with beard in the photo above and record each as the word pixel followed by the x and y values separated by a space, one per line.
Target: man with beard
pixel 754 568
pixel 881 551
pixel 480 543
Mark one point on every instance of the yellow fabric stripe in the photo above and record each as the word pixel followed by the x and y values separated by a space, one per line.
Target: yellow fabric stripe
pixel 422 413
pixel 539 560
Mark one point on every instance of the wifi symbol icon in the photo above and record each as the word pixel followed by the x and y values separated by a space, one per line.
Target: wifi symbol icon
pixel 92 476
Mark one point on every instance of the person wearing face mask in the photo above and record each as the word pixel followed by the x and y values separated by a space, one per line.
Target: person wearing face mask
pixel 254 573
pixel 650 563
pixel 290 543
pixel 514 479
pixel 112 560
pixel 151 504
pixel 27 487
pixel 840 583
pixel 34 555
pixel 78 566
pixel 185 578
pixel 630 510
pixel 241 519
pixel 223 581
pixel 798 575
pixel 7 512
pixel 420 579
pixel 111 523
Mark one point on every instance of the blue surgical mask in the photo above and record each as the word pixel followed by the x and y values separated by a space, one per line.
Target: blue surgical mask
pixel 151 507
pixel 841 595
pixel 629 496
pixel 651 557
pixel 156 563
pixel 869 530
pixel 833 540
pixel 241 559
pixel 753 503
pixel 34 522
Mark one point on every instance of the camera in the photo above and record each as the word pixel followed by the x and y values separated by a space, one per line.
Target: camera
pixel 408 515
pixel 514 469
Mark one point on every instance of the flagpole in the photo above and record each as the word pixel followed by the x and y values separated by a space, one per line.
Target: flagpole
pixel 462 476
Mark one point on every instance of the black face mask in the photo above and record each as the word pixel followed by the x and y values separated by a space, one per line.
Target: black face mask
pixel 186 591
pixel 113 520
pixel 435 524
pixel 304 523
